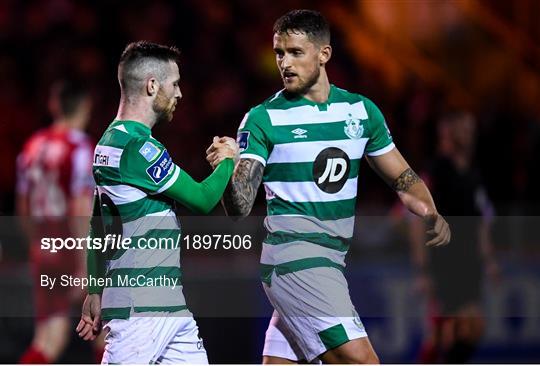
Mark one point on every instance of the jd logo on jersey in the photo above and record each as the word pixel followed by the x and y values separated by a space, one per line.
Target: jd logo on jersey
pixel 331 169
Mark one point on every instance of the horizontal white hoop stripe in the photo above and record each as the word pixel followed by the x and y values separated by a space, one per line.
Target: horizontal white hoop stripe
pixel 283 253
pixel 122 193
pixel 309 224
pixel 116 297
pixel 158 296
pixel 122 297
pixel 165 220
pixel 146 258
pixel 309 191
pixel 307 114
pixel 298 152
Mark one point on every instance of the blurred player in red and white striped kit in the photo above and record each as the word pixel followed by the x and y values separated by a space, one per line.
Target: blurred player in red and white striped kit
pixel 54 197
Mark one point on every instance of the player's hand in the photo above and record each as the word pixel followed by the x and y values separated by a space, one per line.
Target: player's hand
pixel 90 325
pixel 437 230
pixel 220 149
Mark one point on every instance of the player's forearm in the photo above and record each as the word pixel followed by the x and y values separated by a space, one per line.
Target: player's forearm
pixel 202 197
pixel 414 194
pixel 241 191
pixel 95 260
pixel 95 267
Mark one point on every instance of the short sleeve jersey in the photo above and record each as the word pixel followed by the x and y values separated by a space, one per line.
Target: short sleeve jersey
pixel 131 170
pixel 311 153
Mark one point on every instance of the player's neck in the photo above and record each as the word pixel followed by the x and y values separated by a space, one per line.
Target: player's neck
pixel 137 112
pixel 320 91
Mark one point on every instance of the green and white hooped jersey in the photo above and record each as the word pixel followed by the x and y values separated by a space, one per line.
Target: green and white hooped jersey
pixel 311 152
pixel 131 169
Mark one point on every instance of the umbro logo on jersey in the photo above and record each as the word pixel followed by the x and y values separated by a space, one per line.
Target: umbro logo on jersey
pixel 299 133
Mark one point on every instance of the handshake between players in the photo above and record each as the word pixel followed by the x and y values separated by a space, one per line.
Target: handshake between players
pixel 220 149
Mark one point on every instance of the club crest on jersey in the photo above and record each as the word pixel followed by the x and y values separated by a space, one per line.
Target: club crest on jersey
pixel 149 151
pixel 161 168
pixel 353 128
pixel 243 140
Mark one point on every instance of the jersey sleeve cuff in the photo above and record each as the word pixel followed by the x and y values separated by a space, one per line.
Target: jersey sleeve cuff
pixel 382 151
pixel 171 181
pixel 255 157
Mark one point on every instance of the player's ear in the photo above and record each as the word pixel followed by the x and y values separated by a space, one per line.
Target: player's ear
pixel 325 54
pixel 152 86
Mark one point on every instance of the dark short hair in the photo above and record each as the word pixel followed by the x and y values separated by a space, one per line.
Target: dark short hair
pixel 310 22
pixel 69 93
pixel 137 56
pixel 143 49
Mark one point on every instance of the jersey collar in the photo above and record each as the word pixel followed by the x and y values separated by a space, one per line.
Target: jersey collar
pixel 135 126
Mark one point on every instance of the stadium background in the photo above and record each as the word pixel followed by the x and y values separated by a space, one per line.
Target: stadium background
pixel 414 59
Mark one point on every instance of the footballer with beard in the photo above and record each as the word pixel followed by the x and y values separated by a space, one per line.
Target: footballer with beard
pixel 138 185
pixel 305 144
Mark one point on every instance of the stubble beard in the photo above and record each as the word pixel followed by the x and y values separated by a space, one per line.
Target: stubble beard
pixel 304 87
pixel 161 108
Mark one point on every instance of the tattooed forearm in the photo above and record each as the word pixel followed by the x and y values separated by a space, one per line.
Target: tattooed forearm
pixel 405 181
pixel 240 194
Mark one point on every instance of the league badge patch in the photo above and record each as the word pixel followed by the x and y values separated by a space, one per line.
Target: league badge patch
pixel 161 168
pixel 149 151
pixel 243 140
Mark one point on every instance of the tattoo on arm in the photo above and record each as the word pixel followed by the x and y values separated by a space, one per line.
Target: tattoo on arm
pixel 405 181
pixel 240 194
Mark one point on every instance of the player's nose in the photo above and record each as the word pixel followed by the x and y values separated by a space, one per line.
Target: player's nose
pixel 285 63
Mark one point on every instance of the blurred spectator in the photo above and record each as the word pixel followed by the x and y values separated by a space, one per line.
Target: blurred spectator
pixel 54 190
pixel 451 276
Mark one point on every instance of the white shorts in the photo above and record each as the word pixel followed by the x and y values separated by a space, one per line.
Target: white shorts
pixel 170 339
pixel 313 314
